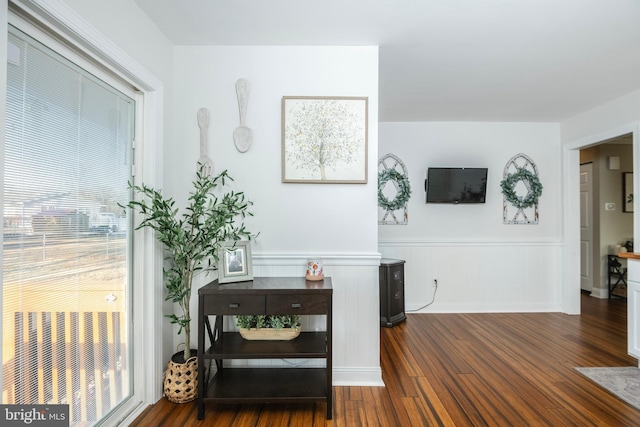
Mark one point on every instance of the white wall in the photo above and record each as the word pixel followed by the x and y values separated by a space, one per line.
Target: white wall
pixel 602 122
pixel 122 22
pixel 334 221
pixel 481 264
pixel 301 218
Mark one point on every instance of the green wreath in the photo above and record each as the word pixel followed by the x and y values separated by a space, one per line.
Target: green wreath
pixel 535 188
pixel 404 189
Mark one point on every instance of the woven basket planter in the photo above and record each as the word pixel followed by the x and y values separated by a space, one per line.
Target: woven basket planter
pixel 284 334
pixel 181 379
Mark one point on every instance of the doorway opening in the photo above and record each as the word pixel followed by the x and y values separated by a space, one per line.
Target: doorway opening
pixel 606 215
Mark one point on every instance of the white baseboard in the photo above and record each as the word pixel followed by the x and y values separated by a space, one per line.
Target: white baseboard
pixel 358 377
pixel 484 308
pixel 600 293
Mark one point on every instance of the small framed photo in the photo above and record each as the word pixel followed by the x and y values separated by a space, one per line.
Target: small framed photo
pixel 234 262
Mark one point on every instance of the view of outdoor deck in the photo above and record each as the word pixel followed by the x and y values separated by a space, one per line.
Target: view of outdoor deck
pixel 64 321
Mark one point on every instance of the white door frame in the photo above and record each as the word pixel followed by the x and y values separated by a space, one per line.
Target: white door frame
pixel 570 299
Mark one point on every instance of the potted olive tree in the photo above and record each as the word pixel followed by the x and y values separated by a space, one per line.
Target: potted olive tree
pixel 191 241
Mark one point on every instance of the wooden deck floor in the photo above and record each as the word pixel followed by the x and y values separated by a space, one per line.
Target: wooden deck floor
pixel 464 370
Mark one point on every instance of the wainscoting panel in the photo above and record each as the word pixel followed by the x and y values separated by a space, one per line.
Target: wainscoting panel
pixel 479 276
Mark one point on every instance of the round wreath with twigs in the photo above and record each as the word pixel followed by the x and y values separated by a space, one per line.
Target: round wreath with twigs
pixel 404 189
pixel 532 183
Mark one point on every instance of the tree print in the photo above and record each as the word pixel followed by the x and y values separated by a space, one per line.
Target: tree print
pixel 324 136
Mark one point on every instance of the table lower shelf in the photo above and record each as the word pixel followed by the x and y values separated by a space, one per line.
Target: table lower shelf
pixel 269 385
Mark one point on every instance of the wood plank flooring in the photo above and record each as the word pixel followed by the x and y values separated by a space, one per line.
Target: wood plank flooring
pixel 463 370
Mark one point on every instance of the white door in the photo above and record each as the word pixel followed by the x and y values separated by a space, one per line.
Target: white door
pixel 586 227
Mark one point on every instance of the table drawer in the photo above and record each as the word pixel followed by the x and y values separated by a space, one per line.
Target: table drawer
pixel 297 304
pixel 234 304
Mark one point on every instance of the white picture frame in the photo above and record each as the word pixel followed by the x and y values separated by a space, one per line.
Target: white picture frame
pixel 235 262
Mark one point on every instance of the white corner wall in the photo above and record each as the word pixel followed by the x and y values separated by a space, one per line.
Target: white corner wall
pixel 124 23
pixel 481 264
pixel 603 122
pixel 334 221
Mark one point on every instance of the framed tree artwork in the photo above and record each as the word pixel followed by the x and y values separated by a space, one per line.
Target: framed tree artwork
pixel 324 139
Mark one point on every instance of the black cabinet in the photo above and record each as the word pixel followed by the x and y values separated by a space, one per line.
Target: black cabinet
pixel 264 295
pixel 391 276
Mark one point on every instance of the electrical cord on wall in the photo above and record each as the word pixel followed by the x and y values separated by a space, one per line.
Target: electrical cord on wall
pixel 433 298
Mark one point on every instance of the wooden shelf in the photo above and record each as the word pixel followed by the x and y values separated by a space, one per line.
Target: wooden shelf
pixel 234 385
pixel 233 346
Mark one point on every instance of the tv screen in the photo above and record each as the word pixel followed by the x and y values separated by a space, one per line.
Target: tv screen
pixel 456 185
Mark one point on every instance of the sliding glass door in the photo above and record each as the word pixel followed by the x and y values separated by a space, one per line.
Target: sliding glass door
pixel 66 253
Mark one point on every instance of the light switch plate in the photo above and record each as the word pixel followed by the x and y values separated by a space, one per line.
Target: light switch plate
pixel 609 206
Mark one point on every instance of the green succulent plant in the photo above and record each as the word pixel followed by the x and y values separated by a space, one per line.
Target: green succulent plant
pixel 274 321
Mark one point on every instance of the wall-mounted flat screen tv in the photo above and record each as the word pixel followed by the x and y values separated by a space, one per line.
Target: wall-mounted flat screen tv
pixel 456 185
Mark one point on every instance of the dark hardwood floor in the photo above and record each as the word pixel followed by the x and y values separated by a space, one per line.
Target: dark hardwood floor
pixel 464 370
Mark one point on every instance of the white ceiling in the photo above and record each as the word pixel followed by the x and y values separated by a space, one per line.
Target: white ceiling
pixel 445 60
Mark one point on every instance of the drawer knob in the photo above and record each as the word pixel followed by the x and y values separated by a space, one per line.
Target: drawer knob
pixel 234 305
pixel 296 305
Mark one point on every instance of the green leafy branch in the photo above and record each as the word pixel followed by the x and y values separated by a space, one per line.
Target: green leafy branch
pixel 192 239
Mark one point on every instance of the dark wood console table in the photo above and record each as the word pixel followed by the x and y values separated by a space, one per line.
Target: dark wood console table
pixel 263 295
